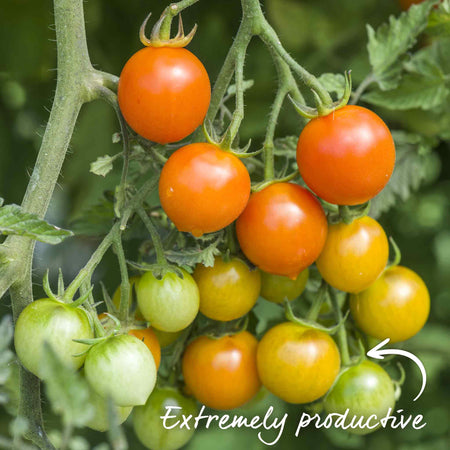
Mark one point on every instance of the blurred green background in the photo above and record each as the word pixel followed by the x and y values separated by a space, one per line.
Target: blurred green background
pixel 325 36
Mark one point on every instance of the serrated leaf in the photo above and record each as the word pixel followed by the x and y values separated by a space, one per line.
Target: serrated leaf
pixel 190 257
pixel 103 165
pixel 333 83
pixel 14 221
pixel 439 21
pixel 410 170
pixel 95 220
pixel 67 391
pixel 391 40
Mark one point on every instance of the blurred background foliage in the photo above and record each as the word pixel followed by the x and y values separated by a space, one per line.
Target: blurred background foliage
pixel 325 36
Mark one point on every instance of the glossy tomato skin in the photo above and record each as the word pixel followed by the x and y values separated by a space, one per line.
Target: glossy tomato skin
pixel 228 290
pixel 203 189
pixel 164 93
pixel 283 229
pixel 221 373
pixel 148 424
pixel 296 363
pixel 149 338
pixel 346 157
pixel 123 368
pixel 365 389
pixel 170 304
pixel 276 288
pixel 354 255
pixel 396 306
pixel 47 320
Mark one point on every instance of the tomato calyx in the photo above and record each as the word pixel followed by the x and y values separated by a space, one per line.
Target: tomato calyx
pixel 160 35
pixel 323 109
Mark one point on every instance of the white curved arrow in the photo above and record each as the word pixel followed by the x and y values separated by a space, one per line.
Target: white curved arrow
pixel 378 353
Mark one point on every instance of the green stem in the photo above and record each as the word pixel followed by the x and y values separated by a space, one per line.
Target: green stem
pixel 318 301
pixel 157 243
pixel 370 78
pixel 342 332
pixel 173 10
pixel 124 308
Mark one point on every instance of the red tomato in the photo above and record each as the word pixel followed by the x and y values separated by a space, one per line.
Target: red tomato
pixel 203 189
pixel 347 157
pixel 283 229
pixel 164 93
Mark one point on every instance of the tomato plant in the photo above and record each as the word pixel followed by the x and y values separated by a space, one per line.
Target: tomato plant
pixel 203 189
pixel 54 322
pixel 396 306
pixel 276 288
pixel 296 363
pixel 365 390
pixel 282 230
pixel 118 293
pixel 121 367
pixel 221 373
pixel 149 338
pixel 346 157
pixel 169 304
pixel 354 254
pixel 164 93
pixel 148 425
pixel 228 290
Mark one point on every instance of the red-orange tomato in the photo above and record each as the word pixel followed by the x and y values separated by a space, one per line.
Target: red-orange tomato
pixel 221 373
pixel 203 189
pixel 148 337
pixel 346 157
pixel 164 93
pixel 283 229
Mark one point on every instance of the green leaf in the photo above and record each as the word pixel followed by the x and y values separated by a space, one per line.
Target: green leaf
pixel 103 165
pixel 14 221
pixel 333 83
pixel 286 146
pixel 391 40
pixel 67 391
pixel 96 220
pixel 413 151
pixel 439 21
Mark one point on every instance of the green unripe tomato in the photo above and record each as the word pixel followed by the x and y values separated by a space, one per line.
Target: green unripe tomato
pixel 57 323
pixel 122 367
pixel 276 287
pixel 170 304
pixel 364 389
pixel 148 424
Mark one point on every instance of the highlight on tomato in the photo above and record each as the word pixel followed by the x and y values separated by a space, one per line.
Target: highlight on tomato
pixel 354 255
pixel 228 289
pixel 221 373
pixel 57 323
pixel 346 157
pixel 203 188
pixel 365 390
pixel 275 288
pixel 296 363
pixel 396 306
pixel 123 368
pixel 164 93
pixel 283 229
pixel 169 304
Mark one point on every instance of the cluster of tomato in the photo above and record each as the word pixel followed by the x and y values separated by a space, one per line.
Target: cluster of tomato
pixel 344 158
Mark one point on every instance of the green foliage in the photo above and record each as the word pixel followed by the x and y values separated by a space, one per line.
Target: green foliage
pixel 6 355
pixel 103 164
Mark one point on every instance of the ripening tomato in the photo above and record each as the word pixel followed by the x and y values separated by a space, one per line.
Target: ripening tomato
pixel 354 255
pixel 276 288
pixel 164 93
pixel 166 338
pixel 228 290
pixel 296 363
pixel 365 390
pixel 149 338
pixel 170 304
pixel 283 229
pixel 396 306
pixel 149 427
pixel 57 323
pixel 221 373
pixel 203 189
pixel 346 157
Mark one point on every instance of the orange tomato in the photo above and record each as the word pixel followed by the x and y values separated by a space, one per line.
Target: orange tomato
pixel 283 229
pixel 221 373
pixel 164 93
pixel 296 363
pixel 354 255
pixel 203 189
pixel 148 337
